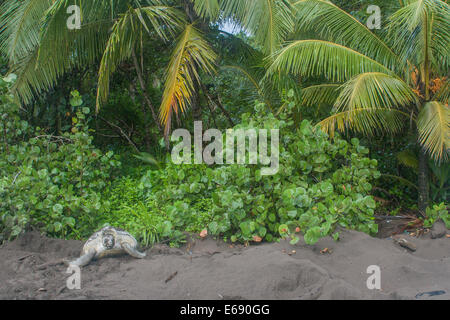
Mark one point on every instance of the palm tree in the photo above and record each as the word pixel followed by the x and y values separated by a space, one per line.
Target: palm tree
pixel 40 48
pixel 378 84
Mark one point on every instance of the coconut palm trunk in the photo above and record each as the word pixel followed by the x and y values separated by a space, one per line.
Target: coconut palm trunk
pixel 423 183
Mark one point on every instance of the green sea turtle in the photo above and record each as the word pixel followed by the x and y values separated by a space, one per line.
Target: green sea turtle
pixel 108 242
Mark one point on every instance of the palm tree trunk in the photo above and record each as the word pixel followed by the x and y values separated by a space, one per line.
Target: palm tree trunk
pixel 196 108
pixel 147 133
pixel 144 90
pixel 193 17
pixel 424 187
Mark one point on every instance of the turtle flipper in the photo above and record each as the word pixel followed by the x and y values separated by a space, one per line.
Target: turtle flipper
pixel 84 259
pixel 132 251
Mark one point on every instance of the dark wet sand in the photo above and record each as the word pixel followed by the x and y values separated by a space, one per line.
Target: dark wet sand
pixel 210 269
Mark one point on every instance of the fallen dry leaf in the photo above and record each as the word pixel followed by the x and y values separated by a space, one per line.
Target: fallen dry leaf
pixel 326 250
pixel 448 236
pixel 204 233
pixel 257 238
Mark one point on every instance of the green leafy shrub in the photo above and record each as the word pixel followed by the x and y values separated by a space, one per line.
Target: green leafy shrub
pixel 321 183
pixel 438 211
pixel 132 210
pixel 51 182
pixel 129 210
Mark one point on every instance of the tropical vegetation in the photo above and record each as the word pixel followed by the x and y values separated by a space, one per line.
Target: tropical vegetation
pixel 86 115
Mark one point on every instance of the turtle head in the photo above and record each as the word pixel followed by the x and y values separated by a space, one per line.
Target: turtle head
pixel 108 240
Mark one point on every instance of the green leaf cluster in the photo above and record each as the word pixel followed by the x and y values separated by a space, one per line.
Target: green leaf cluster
pixel 438 211
pixel 322 183
pixel 51 183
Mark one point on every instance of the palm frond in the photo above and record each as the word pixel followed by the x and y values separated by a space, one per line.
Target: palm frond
pixel 191 55
pixel 56 50
pixel 443 94
pixel 237 50
pixel 421 29
pixel 270 21
pixel 253 79
pixel 375 89
pixel 408 159
pixel 119 48
pixel 315 58
pixel 334 24
pixel 124 35
pixel 280 84
pixel 207 9
pixel 433 124
pixel 20 23
pixel 147 158
pixel 164 20
pixel 320 94
pixel 31 80
pixel 49 48
pixel 368 121
pixel 402 180
pixel 79 46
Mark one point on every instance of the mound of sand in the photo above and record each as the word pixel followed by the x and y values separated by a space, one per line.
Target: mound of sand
pixel 210 269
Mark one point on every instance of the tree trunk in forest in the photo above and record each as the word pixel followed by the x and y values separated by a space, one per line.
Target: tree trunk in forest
pixel 224 111
pixel 189 10
pixel 217 104
pixel 424 187
pixel 203 26
pixel 147 139
pixel 144 90
pixel 196 108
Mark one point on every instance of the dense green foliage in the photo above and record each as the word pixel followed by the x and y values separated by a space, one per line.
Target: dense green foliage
pixel 51 182
pixel 321 183
pixel 61 184
pixel 435 213
pixel 149 220
pixel 313 64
